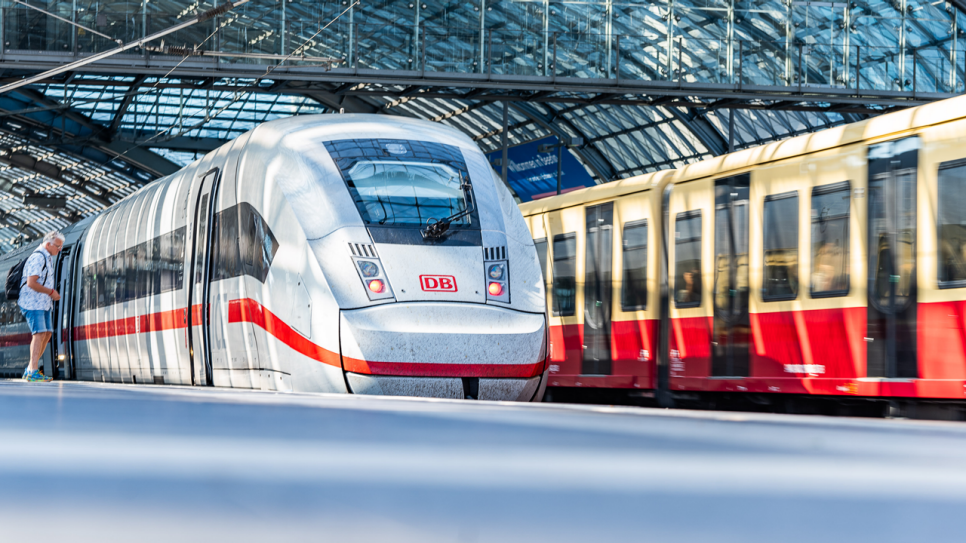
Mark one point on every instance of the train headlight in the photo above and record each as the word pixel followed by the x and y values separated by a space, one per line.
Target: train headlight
pixel 497 280
pixel 371 272
pixel 496 271
pixel 368 269
pixel 377 286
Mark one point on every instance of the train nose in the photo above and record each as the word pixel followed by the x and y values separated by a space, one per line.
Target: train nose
pixel 429 348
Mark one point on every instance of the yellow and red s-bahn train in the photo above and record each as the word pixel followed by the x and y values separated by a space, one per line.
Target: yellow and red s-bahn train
pixel 828 265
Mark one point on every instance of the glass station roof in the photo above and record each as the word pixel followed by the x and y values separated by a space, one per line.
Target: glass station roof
pixel 96 135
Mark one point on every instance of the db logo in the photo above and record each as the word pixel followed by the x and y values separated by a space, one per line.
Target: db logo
pixel 438 283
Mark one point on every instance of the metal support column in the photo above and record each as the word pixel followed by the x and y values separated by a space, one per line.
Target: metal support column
pixel 482 61
pixel 559 166
pixel 731 130
pixel 505 140
pixel 609 30
pixel 670 40
pixel 953 50
pixel 546 38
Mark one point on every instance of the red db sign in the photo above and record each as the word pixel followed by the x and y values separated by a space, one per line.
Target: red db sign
pixel 438 283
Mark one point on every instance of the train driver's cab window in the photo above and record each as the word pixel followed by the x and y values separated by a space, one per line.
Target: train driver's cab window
pixel 952 224
pixel 830 240
pixel 564 274
pixel 634 285
pixel 405 183
pixel 687 259
pixel 780 279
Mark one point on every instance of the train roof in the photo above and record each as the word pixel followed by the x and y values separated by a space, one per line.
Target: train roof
pixel 883 126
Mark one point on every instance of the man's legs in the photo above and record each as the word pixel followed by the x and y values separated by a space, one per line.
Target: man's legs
pixel 38 343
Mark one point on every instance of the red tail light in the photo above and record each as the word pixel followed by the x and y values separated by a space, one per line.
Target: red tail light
pixel 377 286
pixel 495 289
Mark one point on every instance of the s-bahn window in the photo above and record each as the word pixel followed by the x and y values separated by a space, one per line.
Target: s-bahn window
pixel 952 224
pixel 564 274
pixel 687 259
pixel 780 279
pixel 634 284
pixel 541 246
pixel 243 244
pixel 830 240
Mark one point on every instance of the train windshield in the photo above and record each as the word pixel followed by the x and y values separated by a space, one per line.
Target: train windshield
pixel 405 183
pixel 406 193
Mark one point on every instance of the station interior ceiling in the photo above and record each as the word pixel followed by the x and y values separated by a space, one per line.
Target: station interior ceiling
pixel 645 85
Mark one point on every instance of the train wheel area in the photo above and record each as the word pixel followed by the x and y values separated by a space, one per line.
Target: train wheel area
pixel 790 404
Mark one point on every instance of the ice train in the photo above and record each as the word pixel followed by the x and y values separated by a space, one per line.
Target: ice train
pixel 329 253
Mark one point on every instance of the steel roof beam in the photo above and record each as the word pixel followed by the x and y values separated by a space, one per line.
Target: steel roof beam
pixel 702 129
pixel 125 104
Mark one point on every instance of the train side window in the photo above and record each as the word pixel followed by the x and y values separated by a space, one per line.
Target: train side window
pixel 687 259
pixel 167 278
pixel 85 284
pixel 634 284
pixel 830 240
pixel 564 274
pixel 258 243
pixel 131 273
pixel 155 263
pixel 541 246
pixel 225 234
pixel 177 253
pixel 99 272
pixel 780 278
pixel 952 224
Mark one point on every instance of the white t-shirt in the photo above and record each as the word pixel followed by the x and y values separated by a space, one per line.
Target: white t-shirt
pixel 30 299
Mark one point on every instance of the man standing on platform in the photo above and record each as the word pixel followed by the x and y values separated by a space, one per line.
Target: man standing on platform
pixel 37 297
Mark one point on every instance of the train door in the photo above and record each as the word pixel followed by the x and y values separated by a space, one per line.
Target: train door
pixel 198 316
pixel 891 313
pixel 732 325
pixel 597 290
pixel 61 355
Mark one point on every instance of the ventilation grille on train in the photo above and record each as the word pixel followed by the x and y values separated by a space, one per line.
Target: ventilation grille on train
pixel 494 253
pixel 362 249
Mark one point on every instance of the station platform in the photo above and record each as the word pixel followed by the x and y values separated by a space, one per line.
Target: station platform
pixel 100 462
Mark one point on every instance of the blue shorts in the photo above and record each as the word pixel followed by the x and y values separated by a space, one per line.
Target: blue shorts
pixel 38 320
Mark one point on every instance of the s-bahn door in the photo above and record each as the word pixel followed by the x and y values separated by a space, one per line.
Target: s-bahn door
pixel 891 329
pixel 198 345
pixel 597 290
pixel 729 343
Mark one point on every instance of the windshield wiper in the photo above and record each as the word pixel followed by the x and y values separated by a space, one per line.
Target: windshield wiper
pixel 438 229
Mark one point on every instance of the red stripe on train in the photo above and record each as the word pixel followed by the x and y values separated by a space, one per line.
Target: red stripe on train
pixel 15 340
pixel 424 369
pixel 248 310
pixel 172 319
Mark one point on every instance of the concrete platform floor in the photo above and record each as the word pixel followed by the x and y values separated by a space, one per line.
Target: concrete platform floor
pixel 96 462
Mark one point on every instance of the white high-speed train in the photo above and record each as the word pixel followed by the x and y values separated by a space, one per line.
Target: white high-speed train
pixel 335 253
